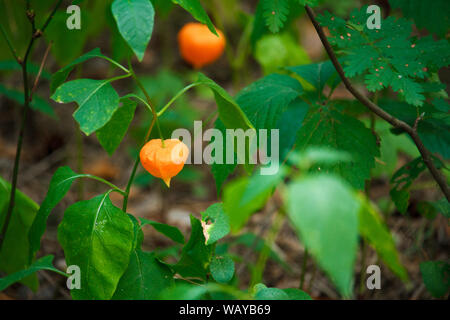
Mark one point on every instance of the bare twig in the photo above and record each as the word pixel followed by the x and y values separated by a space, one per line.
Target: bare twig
pixel 426 155
pixel 36 81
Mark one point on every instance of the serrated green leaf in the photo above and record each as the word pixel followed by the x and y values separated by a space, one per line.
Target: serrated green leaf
pixel 135 19
pixel 275 13
pixel 222 268
pixel 98 237
pixel 324 213
pixel 169 231
pixel 215 223
pixel 97 101
pixel 110 135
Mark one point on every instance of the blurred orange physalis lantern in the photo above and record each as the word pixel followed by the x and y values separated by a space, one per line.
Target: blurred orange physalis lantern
pixel 199 46
pixel 166 161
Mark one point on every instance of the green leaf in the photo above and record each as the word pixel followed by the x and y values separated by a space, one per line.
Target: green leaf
pixel 436 276
pixel 296 294
pixel 98 237
pixel 324 212
pixel 264 293
pixel 222 268
pixel 15 249
pixel 196 255
pixel 374 230
pixel 244 196
pixel 169 231
pixel 13 65
pixel 44 263
pixel 37 104
pixel 144 278
pixel 318 74
pixel 195 8
pixel 97 101
pixel 402 180
pixel 59 186
pixel 230 113
pixel 111 134
pixel 325 127
pixel 135 19
pixel 215 223
pixel 433 15
pixel 275 13
pixel 61 75
pixel 442 206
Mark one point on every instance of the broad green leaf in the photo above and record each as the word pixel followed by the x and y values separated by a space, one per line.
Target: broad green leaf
pixel 326 127
pixel 169 231
pixel 135 19
pixel 196 255
pixel 324 212
pixel 373 229
pixel 296 294
pixel 45 263
pixel 111 134
pixel 433 15
pixel 15 249
pixel 318 74
pixel 215 223
pixel 436 276
pixel 195 8
pixel 144 278
pixel 230 112
pixel 98 237
pixel 264 293
pixel 97 101
pixel 244 196
pixel 59 186
pixel 138 233
pixel 222 268
pixel 185 291
pixel 37 104
pixel 61 75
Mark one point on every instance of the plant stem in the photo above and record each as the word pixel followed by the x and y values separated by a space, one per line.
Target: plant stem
pixel 264 255
pixel 179 94
pixel 426 155
pixel 34 35
pixel 303 273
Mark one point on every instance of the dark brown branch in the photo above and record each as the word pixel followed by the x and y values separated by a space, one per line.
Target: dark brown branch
pixel 425 153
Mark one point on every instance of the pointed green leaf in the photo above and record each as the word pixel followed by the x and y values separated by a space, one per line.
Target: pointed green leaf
pixel 195 8
pixel 324 213
pixel 135 19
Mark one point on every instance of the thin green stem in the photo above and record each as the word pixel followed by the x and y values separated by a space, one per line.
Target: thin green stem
pixel 8 42
pixel 115 63
pixel 303 272
pixel 120 77
pixel 132 95
pixel 109 184
pixel 179 94
pixel 26 107
pixel 265 252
